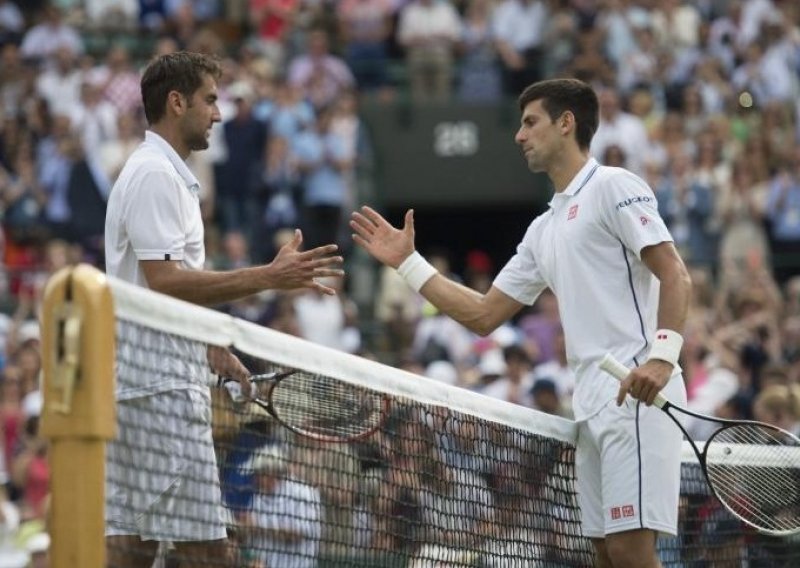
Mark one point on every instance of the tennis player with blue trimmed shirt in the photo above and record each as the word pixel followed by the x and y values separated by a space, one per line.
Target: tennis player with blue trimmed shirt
pixel 622 287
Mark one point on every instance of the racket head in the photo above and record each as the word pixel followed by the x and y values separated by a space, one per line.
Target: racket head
pixel 325 409
pixel 754 470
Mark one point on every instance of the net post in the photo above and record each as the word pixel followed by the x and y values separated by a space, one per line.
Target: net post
pixel 78 415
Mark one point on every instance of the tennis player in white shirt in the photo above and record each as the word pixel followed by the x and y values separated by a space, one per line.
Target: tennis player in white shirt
pixel 157 492
pixel 622 288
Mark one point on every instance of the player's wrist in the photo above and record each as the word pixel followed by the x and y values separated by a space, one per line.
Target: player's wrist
pixel 667 346
pixel 416 271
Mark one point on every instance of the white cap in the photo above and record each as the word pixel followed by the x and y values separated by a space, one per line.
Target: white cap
pixel 443 371
pixel 271 457
pixel 32 404
pixel 28 330
pixel 241 90
pixel 492 363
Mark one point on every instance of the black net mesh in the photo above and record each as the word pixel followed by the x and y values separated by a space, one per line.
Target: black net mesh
pixel 218 481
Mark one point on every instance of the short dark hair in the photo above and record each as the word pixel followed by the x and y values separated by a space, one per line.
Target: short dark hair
pixel 561 95
pixel 182 71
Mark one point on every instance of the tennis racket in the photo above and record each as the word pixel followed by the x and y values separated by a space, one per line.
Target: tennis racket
pixel 319 407
pixel 753 468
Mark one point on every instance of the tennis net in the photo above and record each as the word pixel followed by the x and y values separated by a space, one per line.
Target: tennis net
pixel 449 477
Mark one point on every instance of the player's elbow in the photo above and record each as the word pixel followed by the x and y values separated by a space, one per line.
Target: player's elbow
pixel 482 325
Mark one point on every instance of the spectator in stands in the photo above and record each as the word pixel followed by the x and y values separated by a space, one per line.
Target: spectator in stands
pixel 479 69
pixel 779 405
pixel 741 211
pixel 51 34
pixel 519 28
pixel 557 370
pixel 280 185
pixel 687 204
pixel 283 526
pixel 238 180
pixel 112 154
pixel 620 128
pixel 287 112
pixel 365 27
pixel 94 119
pixel 323 159
pixel 117 15
pixel 516 383
pixel 428 32
pixel 30 471
pixel 119 80
pixel 783 212
pixel 60 83
pixel 272 20
pixel 320 75
pixel 12 22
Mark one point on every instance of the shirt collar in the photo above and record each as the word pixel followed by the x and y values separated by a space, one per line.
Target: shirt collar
pixel 582 177
pixel 183 170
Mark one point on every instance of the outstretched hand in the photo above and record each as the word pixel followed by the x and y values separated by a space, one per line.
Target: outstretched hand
pixel 374 234
pixel 292 268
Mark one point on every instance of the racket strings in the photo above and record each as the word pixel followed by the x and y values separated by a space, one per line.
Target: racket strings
pixel 755 472
pixel 324 407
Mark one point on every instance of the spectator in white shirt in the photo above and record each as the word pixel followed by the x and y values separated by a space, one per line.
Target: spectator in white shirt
pixel 60 85
pixel 44 39
pixel 621 129
pixel 429 31
pixel 284 524
pixel 519 30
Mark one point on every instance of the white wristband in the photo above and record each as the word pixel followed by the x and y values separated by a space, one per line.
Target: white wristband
pixel 415 270
pixel 666 346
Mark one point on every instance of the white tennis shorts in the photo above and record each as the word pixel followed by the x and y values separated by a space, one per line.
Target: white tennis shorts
pixel 628 467
pixel 162 481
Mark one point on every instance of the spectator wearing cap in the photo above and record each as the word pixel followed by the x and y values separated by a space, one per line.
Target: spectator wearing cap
pixel 515 383
pixel 284 525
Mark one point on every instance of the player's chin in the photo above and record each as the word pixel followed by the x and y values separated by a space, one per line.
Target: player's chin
pixel 199 144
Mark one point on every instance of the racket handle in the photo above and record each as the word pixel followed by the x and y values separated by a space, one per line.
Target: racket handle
pixel 610 365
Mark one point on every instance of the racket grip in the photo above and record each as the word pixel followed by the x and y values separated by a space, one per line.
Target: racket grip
pixel 610 365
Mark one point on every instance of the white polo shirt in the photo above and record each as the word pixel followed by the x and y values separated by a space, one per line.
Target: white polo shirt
pixel 587 249
pixel 154 214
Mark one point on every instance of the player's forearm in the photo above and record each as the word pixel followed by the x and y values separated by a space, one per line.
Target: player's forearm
pixel 459 302
pixel 211 288
pixel 673 302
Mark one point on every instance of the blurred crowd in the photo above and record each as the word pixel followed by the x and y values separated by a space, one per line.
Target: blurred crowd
pixel 701 98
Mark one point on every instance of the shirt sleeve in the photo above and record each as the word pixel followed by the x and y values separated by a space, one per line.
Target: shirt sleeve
pixel 630 211
pixel 521 278
pixel 154 221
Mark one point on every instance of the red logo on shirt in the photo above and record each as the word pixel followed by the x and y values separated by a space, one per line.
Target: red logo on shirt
pixel 644 220
pixel 573 212
pixel 620 512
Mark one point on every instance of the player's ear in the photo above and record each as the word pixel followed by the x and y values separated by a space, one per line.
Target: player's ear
pixel 566 121
pixel 176 103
